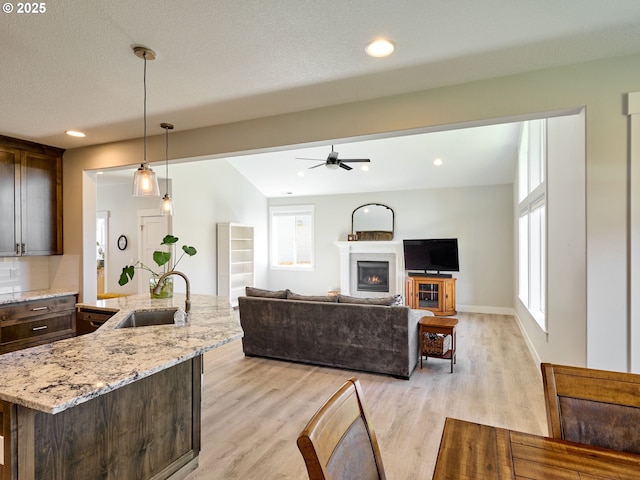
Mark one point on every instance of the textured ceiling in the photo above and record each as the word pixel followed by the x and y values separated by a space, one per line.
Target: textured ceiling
pixel 218 61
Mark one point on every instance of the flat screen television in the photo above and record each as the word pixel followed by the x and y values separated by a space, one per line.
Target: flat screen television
pixel 434 255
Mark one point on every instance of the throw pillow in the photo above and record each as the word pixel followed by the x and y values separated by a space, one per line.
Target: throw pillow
pixel 259 292
pixel 386 301
pixel 313 298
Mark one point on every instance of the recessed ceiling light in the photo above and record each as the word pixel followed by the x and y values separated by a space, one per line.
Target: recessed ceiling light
pixel 380 48
pixel 437 162
pixel 364 168
pixel 301 173
pixel 74 133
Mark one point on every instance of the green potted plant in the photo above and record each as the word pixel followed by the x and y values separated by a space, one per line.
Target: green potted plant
pixel 162 259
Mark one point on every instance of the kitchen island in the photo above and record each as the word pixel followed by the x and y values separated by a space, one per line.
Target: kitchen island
pixel 119 403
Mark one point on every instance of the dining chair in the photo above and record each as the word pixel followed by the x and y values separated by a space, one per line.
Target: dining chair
pixel 339 443
pixel 593 407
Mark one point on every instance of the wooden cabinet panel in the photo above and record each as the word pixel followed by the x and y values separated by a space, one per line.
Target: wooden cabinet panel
pixel 31 188
pixel 41 199
pixel 437 294
pixel 146 429
pixel 26 324
pixel 88 320
pixel 10 211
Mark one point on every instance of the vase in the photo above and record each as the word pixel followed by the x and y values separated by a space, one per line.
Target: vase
pixel 166 290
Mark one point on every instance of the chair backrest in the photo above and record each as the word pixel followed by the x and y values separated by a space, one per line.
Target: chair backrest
pixel 593 407
pixel 339 442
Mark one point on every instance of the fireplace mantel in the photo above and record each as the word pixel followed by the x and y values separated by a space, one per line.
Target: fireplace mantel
pixel 364 250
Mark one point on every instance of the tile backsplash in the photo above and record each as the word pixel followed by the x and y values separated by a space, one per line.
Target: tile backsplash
pixel 23 274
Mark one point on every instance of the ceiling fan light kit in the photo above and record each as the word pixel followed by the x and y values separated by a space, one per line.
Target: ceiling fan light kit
pixel 145 182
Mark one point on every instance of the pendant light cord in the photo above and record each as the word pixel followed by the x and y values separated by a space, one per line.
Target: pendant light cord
pixel 144 82
pixel 166 156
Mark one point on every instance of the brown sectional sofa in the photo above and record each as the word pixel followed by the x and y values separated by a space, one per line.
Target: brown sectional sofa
pixel 322 331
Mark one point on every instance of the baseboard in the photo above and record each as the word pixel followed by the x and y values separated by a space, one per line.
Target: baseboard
pixel 527 340
pixel 485 309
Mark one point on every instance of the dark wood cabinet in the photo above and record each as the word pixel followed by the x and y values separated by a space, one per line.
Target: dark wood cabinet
pixel 437 294
pixel 148 429
pixel 88 320
pixel 31 198
pixel 26 324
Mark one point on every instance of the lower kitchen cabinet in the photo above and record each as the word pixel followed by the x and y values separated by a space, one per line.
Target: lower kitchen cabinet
pixel 36 322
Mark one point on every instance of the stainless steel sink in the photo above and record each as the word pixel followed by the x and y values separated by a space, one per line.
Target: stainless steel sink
pixel 146 318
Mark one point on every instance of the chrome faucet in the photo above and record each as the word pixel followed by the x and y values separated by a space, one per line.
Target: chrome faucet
pixel 187 302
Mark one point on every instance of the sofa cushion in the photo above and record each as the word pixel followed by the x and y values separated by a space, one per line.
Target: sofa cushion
pixel 312 298
pixel 259 292
pixel 387 301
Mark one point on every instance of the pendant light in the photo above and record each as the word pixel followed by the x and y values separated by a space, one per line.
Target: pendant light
pixel 166 208
pixel 145 183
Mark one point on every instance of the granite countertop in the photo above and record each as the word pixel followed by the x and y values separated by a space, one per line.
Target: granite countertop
pixel 18 297
pixel 54 377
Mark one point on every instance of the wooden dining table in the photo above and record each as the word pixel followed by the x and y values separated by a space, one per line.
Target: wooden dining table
pixel 474 451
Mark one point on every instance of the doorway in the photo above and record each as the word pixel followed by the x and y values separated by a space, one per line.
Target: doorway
pixel 153 228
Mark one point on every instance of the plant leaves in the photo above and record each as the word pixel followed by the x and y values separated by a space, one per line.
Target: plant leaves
pixel 191 251
pixel 127 274
pixel 161 257
pixel 169 240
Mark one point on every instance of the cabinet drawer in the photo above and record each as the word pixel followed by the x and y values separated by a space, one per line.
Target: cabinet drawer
pixel 31 308
pixel 88 321
pixel 33 330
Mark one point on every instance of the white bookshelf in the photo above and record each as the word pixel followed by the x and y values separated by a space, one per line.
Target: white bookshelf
pixel 235 260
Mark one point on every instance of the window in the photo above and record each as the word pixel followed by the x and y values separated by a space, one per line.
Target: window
pixel 291 230
pixel 532 279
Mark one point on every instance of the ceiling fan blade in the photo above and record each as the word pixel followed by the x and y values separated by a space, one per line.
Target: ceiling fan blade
pixel 314 159
pixel 316 166
pixel 354 160
pixel 346 167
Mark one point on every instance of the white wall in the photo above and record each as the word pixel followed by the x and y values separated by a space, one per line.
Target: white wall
pixel 600 86
pixel 480 217
pixel 565 340
pixel 204 194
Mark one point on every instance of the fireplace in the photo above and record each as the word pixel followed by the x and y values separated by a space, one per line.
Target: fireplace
pixel 373 276
pixel 389 252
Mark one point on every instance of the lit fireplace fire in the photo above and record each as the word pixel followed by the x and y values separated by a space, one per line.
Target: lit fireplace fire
pixel 373 276
pixel 373 280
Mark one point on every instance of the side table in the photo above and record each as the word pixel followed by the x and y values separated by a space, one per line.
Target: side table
pixel 438 325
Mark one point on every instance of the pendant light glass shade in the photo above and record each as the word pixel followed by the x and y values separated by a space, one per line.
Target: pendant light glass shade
pixel 167 205
pixel 145 183
pixel 166 208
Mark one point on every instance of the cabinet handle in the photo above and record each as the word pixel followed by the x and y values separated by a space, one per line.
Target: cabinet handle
pixel 42 327
pixel 17 249
pixel 37 309
pixel 23 248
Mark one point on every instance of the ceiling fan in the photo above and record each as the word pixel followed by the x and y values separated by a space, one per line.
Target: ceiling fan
pixel 333 162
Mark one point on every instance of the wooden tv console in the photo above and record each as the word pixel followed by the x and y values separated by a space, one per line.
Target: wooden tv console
pixel 437 294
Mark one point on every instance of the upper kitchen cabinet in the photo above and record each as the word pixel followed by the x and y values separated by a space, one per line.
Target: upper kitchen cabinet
pixel 31 198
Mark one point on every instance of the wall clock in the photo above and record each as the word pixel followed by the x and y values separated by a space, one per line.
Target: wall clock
pixel 122 242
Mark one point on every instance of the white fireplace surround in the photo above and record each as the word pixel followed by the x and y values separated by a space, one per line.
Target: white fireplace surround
pixel 352 252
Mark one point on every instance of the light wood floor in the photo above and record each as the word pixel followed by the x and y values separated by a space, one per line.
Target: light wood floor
pixel 253 409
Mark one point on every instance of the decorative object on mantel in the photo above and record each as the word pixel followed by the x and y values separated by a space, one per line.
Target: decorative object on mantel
pixel 145 183
pixel 352 237
pixel 372 222
pixel 333 162
pixel 166 208
pixel 162 259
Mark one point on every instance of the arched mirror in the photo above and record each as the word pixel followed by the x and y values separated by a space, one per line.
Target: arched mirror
pixel 372 221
